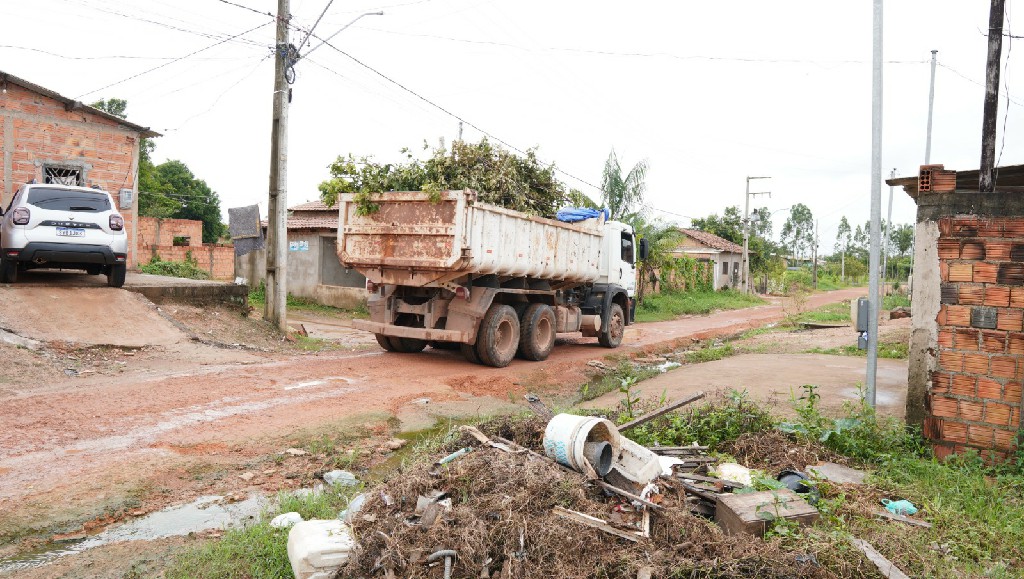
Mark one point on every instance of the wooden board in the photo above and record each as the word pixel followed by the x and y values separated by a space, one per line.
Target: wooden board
pixel 738 513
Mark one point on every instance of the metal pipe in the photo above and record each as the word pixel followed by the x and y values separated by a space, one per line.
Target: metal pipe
pixel 931 108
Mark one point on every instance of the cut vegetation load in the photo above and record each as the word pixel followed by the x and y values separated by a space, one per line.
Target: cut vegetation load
pixel 444 269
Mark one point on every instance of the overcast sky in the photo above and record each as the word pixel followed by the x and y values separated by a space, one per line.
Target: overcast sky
pixel 707 92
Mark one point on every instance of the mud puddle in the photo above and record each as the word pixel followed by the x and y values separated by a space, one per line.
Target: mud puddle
pixel 204 513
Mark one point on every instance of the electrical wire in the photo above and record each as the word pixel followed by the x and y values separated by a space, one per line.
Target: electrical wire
pixel 180 58
pixel 106 57
pixel 313 28
pixel 1009 97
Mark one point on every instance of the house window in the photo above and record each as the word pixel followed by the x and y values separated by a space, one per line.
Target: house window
pixel 181 241
pixel 725 268
pixel 62 175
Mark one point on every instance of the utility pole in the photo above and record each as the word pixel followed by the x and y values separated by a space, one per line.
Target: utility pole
pixel 991 109
pixel 888 233
pixel 931 108
pixel 745 269
pixel 277 229
pixel 876 201
pixel 814 253
pixel 460 132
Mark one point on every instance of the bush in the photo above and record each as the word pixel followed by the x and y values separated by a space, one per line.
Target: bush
pixel 710 424
pixel 188 269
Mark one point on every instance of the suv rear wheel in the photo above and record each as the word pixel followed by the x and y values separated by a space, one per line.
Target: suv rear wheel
pixel 115 276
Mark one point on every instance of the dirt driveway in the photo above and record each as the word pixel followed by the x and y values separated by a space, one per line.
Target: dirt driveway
pixel 71 448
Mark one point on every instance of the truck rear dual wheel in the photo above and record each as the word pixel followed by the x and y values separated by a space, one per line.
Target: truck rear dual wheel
pixel 616 328
pixel 537 332
pixel 401 345
pixel 498 337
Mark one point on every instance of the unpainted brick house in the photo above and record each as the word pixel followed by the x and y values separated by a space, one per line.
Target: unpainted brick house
pixel 55 139
pixel 725 255
pixel 967 338
pixel 179 239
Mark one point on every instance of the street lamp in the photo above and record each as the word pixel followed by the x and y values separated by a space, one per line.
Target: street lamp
pixel 746 233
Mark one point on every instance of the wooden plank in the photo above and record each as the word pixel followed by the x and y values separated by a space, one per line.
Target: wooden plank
pixel 627 495
pixel 702 493
pixel 660 412
pixel 595 522
pixel 742 513
pixel 903 519
pixel 538 407
pixel 885 566
pixel 725 483
pixel 676 449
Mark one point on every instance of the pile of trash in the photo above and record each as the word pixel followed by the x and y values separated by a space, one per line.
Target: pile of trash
pixel 563 496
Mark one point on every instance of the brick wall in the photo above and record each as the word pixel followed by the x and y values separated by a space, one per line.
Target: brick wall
pixel 37 130
pixel 974 399
pixel 156 237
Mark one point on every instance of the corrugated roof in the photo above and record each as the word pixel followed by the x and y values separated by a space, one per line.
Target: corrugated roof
pixel 71 104
pixel 713 241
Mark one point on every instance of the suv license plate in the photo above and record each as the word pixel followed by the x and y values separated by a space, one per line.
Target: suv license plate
pixel 70 232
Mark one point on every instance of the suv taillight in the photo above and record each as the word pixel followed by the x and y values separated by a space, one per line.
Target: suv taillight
pixel 116 222
pixel 21 216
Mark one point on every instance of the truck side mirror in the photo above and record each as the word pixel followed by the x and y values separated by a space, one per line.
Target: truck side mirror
pixel 643 248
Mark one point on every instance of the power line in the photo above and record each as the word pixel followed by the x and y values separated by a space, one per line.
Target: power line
pixel 312 28
pixel 180 58
pixel 106 57
pixel 1009 97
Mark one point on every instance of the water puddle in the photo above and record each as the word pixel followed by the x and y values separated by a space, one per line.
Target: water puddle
pixel 320 382
pixel 204 513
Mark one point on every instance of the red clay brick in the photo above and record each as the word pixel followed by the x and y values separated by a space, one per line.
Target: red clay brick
pixel 1010 319
pixel 991 228
pixel 976 363
pixel 960 271
pixel 951 361
pixel 1005 439
pixel 944 270
pixel 988 388
pixel 997 296
pixel 971 410
pixel 963 385
pixel 993 342
pixel 943 406
pixel 997 250
pixel 979 435
pixel 997 414
pixel 984 272
pixel 1013 228
pixel 965 226
pixel 941 382
pixel 945 227
pixel 940 318
pixel 1017 297
pixel 967 340
pixel 972 295
pixel 972 249
pixel 946 340
pixel 949 249
pixel 959 316
pixel 1004 366
pixel 1012 392
pixel 954 431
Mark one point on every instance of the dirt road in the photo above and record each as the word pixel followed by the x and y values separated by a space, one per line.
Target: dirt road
pixel 70 447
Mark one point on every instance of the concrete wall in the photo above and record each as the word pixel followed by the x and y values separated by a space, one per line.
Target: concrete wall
pixel 36 130
pixel 304 270
pixel 967 343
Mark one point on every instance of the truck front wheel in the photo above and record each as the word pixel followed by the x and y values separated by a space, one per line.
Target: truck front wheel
pixel 537 333
pixel 498 337
pixel 385 342
pixel 616 328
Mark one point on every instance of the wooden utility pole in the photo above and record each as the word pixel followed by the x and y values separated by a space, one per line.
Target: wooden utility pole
pixel 275 309
pixel 986 184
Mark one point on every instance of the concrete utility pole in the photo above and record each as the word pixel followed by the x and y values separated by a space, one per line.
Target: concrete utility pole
pixel 876 201
pixel 988 120
pixel 277 211
pixel 745 269
pixel 888 233
pixel 814 258
pixel 931 108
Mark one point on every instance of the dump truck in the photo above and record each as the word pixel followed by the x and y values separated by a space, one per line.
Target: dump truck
pixel 449 271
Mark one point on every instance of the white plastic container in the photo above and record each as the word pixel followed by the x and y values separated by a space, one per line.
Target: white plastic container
pixel 317 549
pixel 637 464
pixel 567 435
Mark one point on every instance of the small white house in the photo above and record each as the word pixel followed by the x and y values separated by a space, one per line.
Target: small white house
pixel 726 255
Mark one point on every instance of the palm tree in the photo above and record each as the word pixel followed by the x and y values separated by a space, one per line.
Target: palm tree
pixel 623 195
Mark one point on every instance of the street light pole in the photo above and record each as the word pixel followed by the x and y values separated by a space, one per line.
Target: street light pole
pixel 746 234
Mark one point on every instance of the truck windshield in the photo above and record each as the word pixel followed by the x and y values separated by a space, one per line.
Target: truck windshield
pixel 64 200
pixel 627 247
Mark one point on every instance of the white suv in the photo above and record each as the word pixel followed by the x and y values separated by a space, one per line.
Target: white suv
pixel 66 227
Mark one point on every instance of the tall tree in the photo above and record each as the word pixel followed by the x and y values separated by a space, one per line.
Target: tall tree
pixel 662 239
pixel 623 193
pixel 903 238
pixel 798 231
pixel 844 237
pixel 727 226
pixel 760 222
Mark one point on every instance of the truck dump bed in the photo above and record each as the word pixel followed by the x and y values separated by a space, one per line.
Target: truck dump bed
pixel 413 241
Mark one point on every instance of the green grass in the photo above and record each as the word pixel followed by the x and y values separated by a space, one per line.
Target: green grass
pixel 612 381
pixel 670 305
pixel 891 302
pixel 709 354
pixel 890 350
pixel 258 298
pixel 829 314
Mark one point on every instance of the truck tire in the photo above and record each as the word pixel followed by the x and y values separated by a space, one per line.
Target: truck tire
pixel 385 342
pixel 616 328
pixel 469 352
pixel 537 332
pixel 437 345
pixel 8 271
pixel 498 337
pixel 407 345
